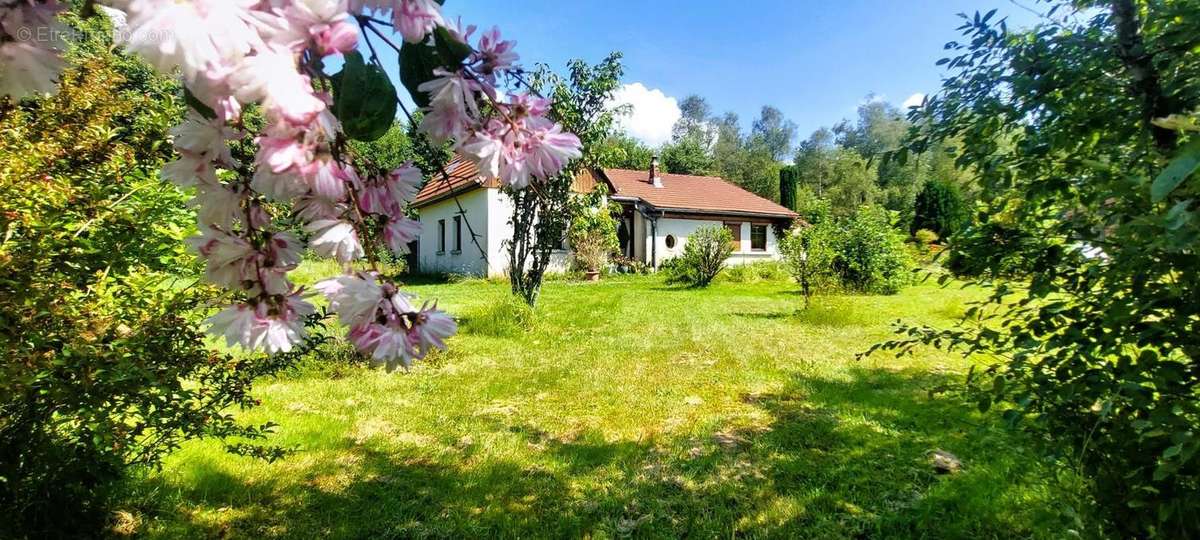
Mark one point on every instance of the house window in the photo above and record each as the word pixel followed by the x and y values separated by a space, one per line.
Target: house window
pixel 735 230
pixel 441 236
pixel 670 241
pixel 758 238
pixel 457 234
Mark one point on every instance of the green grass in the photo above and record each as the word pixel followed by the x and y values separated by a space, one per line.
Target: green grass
pixel 626 408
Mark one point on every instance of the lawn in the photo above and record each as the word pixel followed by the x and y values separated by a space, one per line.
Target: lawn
pixel 627 408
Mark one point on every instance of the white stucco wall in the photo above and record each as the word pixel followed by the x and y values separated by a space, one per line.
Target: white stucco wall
pixel 684 228
pixel 488 211
pixel 499 212
pixel 468 261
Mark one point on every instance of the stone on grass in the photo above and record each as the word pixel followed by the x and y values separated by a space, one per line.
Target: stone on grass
pixel 944 462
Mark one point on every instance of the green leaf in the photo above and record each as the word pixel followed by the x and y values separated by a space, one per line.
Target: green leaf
pixel 417 62
pixel 364 99
pixel 1178 216
pixel 1179 170
pixel 451 51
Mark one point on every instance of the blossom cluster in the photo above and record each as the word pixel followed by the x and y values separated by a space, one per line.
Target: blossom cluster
pixel 30 47
pixel 511 139
pixel 232 54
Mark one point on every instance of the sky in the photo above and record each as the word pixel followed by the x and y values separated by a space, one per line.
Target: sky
pixel 814 60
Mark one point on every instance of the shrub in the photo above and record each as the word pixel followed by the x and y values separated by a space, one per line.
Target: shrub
pixel 756 272
pixel 104 366
pixel 925 237
pixel 808 254
pixel 939 207
pixel 704 257
pixel 593 231
pixel 871 255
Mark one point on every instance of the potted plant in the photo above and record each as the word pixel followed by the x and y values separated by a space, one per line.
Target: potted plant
pixel 593 235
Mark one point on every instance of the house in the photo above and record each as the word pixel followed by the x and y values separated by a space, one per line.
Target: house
pixel 659 211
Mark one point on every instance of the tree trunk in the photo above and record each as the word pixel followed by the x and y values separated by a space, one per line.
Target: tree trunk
pixel 1131 49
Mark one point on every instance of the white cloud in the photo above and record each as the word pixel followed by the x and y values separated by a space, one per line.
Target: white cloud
pixel 652 116
pixel 914 100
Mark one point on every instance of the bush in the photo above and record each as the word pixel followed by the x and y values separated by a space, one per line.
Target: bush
pixel 925 237
pixel 808 254
pixel 756 272
pixel 871 255
pixel 704 257
pixel 939 207
pixel 104 366
pixel 593 231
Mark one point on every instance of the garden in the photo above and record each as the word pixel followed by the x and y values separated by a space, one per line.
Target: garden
pixel 982 321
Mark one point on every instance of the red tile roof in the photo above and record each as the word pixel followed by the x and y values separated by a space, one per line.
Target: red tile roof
pixel 680 192
pixel 687 193
pixel 464 176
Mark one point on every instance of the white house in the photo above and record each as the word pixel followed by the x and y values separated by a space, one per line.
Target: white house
pixel 659 212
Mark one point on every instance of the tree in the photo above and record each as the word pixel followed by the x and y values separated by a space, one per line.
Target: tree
pixel 775 132
pixel 540 217
pixel 1069 125
pixel 939 208
pixel 621 151
pixel 787 187
pixel 694 123
pixel 687 156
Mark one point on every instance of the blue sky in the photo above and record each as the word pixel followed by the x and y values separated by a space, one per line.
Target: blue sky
pixel 816 61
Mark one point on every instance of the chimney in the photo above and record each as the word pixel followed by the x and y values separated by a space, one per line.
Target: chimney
pixel 654 177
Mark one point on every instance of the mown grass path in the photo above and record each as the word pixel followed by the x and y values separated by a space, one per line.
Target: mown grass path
pixel 629 408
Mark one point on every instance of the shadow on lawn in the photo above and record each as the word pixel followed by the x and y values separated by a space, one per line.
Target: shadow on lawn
pixel 837 458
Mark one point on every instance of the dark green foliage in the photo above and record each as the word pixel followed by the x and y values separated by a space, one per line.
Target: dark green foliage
pixel 703 258
pixel 687 156
pixel 940 208
pixel 1093 203
pixel 624 152
pixel 364 99
pixel 787 187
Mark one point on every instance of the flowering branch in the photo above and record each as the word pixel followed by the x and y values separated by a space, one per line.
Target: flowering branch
pixel 233 54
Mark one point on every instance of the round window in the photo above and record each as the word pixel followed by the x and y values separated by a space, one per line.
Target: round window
pixel 670 241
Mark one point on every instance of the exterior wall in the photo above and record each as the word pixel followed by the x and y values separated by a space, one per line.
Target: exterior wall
pixel 468 261
pixel 682 228
pixel 499 233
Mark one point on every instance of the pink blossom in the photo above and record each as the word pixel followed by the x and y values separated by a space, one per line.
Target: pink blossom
pixel 267 325
pixel 550 149
pixel 29 65
pixel 310 209
pixel 335 38
pixel 431 329
pixel 278 187
pixel 271 76
pixel 327 178
pixel 336 239
pixel 229 259
pixel 189 170
pixel 190 35
pixel 217 205
pixel 415 19
pixel 400 232
pixel 355 298
pixel 205 137
pixel 494 54
pixel 281 154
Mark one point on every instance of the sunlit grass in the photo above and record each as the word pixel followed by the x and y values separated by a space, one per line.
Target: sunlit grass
pixel 626 408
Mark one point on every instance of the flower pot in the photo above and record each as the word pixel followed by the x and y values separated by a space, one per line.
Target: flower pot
pixel 592 275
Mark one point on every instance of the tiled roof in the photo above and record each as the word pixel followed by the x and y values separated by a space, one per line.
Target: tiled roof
pixel 464 176
pixel 684 193
pixel 680 192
